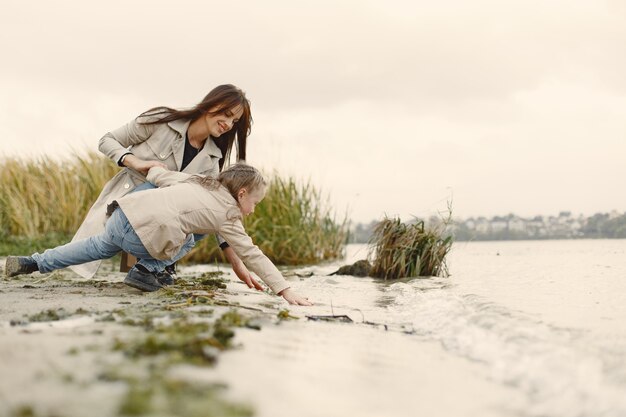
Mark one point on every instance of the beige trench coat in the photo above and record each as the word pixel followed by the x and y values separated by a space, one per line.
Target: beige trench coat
pixel 163 142
pixel 163 218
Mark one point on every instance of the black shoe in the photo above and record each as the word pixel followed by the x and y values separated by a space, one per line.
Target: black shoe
pixel 164 278
pixel 144 281
pixel 171 270
pixel 18 265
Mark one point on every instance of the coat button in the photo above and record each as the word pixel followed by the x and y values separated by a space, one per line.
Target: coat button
pixel 127 186
pixel 162 156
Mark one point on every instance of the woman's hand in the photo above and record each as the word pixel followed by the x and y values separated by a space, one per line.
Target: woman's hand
pixel 139 165
pixel 293 298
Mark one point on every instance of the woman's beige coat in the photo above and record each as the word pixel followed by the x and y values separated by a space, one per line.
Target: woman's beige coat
pixel 163 142
pixel 163 218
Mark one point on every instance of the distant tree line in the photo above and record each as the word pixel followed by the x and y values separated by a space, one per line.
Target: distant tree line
pixel 511 227
pixel 602 225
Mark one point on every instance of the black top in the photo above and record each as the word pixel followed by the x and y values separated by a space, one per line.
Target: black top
pixel 190 153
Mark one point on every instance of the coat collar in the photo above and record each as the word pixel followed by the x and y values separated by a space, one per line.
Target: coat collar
pixel 178 146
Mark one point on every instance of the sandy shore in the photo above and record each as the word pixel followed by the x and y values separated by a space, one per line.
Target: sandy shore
pixel 70 347
pixel 64 345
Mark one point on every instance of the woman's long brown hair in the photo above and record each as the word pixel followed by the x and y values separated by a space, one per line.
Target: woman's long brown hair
pixel 222 99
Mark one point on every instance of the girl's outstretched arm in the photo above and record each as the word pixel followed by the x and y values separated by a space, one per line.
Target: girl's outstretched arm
pixel 233 232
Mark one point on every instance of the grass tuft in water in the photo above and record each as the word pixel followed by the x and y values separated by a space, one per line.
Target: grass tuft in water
pixel 399 250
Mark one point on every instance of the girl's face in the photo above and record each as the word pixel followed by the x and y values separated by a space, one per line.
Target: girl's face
pixel 248 200
pixel 222 122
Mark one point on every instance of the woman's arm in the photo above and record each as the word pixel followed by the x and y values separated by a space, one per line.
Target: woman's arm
pixel 131 161
pixel 115 145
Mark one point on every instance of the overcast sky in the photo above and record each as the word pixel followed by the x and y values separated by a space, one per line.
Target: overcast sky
pixel 388 106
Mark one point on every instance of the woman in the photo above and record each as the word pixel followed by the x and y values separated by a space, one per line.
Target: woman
pixel 195 141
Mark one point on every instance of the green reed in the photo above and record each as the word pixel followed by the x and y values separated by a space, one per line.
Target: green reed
pixel 399 250
pixel 46 196
pixel 293 225
pixel 44 200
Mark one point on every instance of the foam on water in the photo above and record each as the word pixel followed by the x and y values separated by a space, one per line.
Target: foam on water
pixel 522 329
pixel 562 371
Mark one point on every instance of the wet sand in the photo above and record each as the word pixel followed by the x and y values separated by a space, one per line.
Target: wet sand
pixel 70 367
pixel 58 338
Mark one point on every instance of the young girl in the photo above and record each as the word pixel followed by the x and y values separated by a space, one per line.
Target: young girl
pixel 157 226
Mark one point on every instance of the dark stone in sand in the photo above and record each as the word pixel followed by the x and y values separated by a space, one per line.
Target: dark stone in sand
pixel 360 268
pixel 341 318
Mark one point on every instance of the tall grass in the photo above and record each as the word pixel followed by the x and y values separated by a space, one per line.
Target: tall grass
pixel 45 200
pixel 399 250
pixel 293 225
pixel 47 196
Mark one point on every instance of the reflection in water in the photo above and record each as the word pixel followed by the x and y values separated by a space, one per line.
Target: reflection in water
pixel 384 301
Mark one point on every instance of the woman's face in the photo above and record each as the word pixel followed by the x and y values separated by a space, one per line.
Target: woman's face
pixel 248 200
pixel 222 122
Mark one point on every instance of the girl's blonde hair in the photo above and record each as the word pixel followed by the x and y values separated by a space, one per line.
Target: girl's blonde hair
pixel 234 178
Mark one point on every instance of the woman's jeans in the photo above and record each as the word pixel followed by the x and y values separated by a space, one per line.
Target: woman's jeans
pixel 118 236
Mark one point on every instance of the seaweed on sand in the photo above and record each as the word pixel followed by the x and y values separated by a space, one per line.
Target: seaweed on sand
pixel 286 315
pixel 179 398
pixel 183 340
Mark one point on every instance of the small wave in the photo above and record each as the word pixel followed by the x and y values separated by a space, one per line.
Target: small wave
pixel 562 372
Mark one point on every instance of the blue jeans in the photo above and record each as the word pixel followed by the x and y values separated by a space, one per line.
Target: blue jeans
pixel 118 236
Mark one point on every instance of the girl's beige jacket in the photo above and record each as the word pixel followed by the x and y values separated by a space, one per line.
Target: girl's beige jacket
pixel 164 217
pixel 163 142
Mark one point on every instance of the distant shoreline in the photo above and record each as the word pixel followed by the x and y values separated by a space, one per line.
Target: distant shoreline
pixel 512 227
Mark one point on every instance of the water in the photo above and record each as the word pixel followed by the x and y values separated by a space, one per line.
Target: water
pixel 534 328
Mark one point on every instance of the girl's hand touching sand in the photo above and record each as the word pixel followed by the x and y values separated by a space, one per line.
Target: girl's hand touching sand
pixel 293 298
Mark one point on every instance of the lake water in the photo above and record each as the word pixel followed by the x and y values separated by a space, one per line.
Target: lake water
pixel 531 328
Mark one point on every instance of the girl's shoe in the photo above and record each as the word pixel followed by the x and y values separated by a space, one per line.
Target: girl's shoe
pixel 18 265
pixel 144 281
pixel 164 278
pixel 171 270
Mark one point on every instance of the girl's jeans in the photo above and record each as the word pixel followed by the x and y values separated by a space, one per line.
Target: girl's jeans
pixel 118 235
